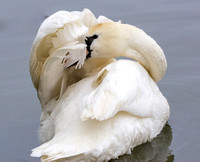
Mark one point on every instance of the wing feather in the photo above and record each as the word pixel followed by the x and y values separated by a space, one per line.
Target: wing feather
pixel 50 30
pixel 126 86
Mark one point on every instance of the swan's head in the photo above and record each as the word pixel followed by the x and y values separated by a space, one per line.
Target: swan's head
pixel 110 40
pixel 100 39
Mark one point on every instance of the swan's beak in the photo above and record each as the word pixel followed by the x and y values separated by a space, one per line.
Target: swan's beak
pixel 88 54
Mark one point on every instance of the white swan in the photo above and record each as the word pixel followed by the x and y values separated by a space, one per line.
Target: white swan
pixel 105 108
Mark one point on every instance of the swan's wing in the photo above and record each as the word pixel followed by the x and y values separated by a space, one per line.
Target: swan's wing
pixel 46 37
pixel 121 86
pixel 58 35
pixel 43 43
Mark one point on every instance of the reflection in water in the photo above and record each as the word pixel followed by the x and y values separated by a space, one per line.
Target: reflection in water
pixel 156 151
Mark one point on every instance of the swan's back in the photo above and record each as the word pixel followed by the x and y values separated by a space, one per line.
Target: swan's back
pixel 104 132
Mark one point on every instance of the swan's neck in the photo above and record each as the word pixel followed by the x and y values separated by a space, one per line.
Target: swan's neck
pixel 94 65
pixel 145 50
pixel 129 41
pixel 151 58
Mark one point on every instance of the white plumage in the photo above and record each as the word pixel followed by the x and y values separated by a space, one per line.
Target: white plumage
pixel 102 109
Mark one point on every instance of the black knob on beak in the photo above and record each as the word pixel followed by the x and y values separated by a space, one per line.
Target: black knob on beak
pixel 89 41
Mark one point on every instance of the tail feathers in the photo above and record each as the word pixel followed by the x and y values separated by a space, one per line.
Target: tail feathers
pixel 58 157
pixel 52 151
pixel 81 157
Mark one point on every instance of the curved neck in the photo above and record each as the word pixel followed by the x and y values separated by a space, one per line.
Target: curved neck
pixel 153 61
pixel 148 53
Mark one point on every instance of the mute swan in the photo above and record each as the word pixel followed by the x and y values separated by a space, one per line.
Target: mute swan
pixel 95 108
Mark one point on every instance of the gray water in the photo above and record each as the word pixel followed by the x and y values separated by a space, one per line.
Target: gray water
pixel 174 24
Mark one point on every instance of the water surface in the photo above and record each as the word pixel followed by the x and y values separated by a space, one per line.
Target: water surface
pixel 174 24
